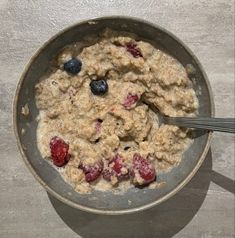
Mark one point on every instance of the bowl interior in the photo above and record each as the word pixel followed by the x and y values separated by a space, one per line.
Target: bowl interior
pixel 105 201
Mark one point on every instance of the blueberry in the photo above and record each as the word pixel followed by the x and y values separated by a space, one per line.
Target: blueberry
pixel 73 66
pixel 99 86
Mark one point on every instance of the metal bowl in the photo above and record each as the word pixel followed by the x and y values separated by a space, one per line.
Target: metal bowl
pixel 106 202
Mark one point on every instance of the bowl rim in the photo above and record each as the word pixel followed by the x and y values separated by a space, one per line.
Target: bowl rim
pixel 103 211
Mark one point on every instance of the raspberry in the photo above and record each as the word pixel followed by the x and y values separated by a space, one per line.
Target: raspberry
pixel 117 163
pixel 92 172
pixel 59 151
pixel 144 167
pixel 131 47
pixel 115 167
pixel 130 100
pixel 108 173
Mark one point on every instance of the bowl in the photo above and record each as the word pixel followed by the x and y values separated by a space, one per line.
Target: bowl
pixel 134 199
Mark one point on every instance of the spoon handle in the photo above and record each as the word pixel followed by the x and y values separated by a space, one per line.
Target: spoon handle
pixel 213 124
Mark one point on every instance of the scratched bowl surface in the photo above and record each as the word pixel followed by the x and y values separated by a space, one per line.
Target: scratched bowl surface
pixel 107 202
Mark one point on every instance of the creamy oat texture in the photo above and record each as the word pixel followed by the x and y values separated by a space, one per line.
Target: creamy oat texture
pixel 69 110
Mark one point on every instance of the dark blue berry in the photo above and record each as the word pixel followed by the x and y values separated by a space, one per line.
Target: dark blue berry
pixel 99 86
pixel 73 66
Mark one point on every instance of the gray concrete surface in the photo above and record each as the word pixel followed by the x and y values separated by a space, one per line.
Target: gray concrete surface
pixel 204 208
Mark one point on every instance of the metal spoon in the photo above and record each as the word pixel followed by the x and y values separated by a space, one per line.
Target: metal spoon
pixel 205 123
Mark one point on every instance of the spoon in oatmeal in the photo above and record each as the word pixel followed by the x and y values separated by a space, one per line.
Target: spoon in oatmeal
pixel 204 123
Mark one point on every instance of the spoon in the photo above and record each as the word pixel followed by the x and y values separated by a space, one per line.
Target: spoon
pixel 205 123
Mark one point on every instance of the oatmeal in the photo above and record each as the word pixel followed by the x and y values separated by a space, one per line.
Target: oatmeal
pixel 94 118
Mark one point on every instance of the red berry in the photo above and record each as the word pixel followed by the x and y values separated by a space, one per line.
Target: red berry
pixel 115 167
pixel 131 47
pixel 108 173
pixel 92 172
pixel 144 167
pixel 59 151
pixel 117 163
pixel 130 100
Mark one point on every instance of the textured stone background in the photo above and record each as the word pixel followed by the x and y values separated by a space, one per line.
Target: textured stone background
pixel 204 208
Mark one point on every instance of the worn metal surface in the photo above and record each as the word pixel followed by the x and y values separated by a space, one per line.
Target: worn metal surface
pixel 205 208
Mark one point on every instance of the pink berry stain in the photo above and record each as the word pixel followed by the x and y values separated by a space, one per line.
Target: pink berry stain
pixel 130 100
pixel 98 125
pixel 59 151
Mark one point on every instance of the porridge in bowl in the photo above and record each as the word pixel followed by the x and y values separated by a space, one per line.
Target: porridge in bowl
pixel 94 120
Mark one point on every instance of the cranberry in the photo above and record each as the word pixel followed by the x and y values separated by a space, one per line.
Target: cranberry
pixel 59 151
pixel 131 47
pixel 144 167
pixel 92 172
pixel 115 167
pixel 130 100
